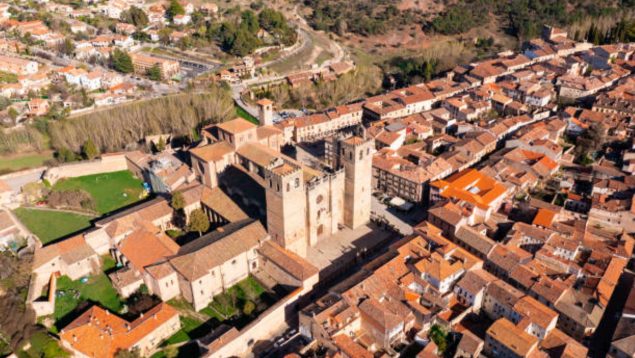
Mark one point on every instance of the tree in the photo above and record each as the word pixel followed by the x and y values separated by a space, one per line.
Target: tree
pixel 121 61
pixel 590 141
pixel 160 146
pixel 439 337
pixel 198 222
pixel 66 155
pixel 249 21
pixel 154 73
pixel 135 16
pixel 178 202
pixel 90 150
pixel 249 308
pixel 66 47
pixel 13 114
pixel 428 70
pixel 174 9
pixel 4 103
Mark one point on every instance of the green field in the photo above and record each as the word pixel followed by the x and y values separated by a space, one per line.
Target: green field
pixel 23 162
pixel 43 345
pixel 49 225
pixel 111 191
pixel 98 289
pixel 240 112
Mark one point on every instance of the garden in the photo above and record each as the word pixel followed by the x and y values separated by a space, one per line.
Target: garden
pixel 110 191
pixel 74 296
pixel 71 204
pixel 50 225
pixel 237 306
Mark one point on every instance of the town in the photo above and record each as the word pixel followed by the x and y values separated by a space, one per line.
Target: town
pixel 189 211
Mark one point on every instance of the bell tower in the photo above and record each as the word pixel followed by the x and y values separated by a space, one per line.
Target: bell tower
pixel 286 207
pixel 356 157
pixel 265 112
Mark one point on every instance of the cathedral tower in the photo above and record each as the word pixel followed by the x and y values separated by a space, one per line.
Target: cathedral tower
pixel 286 207
pixel 356 157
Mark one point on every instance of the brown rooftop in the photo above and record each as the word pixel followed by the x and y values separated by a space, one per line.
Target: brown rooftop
pixel 237 125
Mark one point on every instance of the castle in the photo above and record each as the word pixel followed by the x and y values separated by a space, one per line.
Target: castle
pixel 303 204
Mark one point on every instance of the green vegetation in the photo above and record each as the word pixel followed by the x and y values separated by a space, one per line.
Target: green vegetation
pixel 135 16
pixel 239 37
pixel 241 299
pixel 8 77
pixel 524 18
pixel 112 129
pixel 89 150
pixel 50 225
pixel 43 346
pixel 188 325
pixel 121 61
pixel 238 298
pixel 98 289
pixel 349 87
pixel 110 191
pixel 240 112
pixel 154 73
pixel 174 9
pixel 15 163
pixel 440 337
pixel 198 222
pixel 362 17
pixel 461 18
pixel 108 263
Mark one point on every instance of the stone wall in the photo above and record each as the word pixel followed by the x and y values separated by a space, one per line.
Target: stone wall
pixel 105 164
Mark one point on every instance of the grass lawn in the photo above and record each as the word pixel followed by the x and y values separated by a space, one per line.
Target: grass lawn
pixel 50 225
pixel 111 191
pixel 16 163
pixel 108 263
pixel 188 325
pixel 240 112
pixel 230 302
pixel 98 289
pixel 43 345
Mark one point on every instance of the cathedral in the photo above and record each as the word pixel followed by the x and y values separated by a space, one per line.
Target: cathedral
pixel 302 204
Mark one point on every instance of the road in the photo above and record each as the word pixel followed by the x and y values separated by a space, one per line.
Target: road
pixel 16 180
pixel 304 33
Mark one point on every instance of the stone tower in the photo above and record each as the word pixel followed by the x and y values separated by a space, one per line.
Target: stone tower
pixel 286 207
pixel 265 112
pixel 356 157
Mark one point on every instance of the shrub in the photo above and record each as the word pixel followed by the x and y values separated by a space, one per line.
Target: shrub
pixel 71 199
pixel 249 308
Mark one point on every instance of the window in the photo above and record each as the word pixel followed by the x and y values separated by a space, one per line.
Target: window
pixel 233 262
pixel 319 199
pixel 297 182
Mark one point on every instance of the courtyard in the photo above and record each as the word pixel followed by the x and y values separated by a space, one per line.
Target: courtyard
pixel 107 192
pixel 110 191
pixel 51 225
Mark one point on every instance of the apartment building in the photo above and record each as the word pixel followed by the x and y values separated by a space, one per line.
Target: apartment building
pixel 142 63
